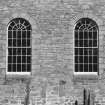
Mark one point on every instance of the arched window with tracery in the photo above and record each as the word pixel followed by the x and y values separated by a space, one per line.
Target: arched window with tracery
pixel 19 47
pixel 86 46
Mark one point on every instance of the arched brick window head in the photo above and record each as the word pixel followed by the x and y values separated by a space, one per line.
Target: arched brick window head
pixel 86 46
pixel 19 47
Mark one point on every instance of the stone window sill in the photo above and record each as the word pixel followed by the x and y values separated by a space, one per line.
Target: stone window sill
pixel 18 75
pixel 85 78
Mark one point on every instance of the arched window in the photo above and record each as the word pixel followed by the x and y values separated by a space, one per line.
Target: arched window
pixel 19 47
pixel 86 46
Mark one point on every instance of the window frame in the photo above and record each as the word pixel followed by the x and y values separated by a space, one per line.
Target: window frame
pixel 85 73
pixel 18 73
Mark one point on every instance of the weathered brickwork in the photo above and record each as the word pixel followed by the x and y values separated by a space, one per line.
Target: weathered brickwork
pixel 52 80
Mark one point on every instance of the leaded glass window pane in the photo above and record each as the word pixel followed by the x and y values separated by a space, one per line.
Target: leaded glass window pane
pixel 19 46
pixel 86 46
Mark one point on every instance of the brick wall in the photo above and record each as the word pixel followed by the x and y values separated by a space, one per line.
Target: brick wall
pixel 52 80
